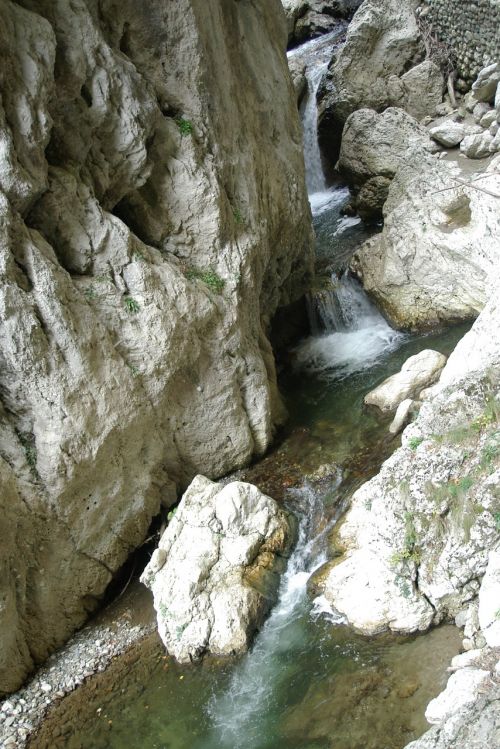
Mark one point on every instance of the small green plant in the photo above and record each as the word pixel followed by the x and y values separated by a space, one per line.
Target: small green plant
pixel 238 217
pixel 414 442
pixel 90 293
pixel 138 255
pixel 410 551
pixel 208 277
pixel 27 441
pixel 185 126
pixel 131 305
pixel 496 518
pixel 134 370
pixel 164 610
pixel 171 514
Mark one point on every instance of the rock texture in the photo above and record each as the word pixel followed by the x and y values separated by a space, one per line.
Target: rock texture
pixel 374 146
pixel 153 216
pixel 418 536
pixel 383 42
pixel 418 372
pixel 216 569
pixel 440 244
pixel 307 19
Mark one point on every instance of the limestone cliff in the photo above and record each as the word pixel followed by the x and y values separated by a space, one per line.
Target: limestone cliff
pixel 153 217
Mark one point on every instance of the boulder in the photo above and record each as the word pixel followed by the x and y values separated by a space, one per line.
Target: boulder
pixel 383 40
pixel 417 373
pixel 485 86
pixel 216 570
pixel 434 258
pixel 307 19
pixel 461 691
pixel 489 601
pixel 477 146
pixel 448 133
pixel 374 146
pixel 402 416
pixel 421 90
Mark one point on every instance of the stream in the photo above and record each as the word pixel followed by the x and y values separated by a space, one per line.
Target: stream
pixel 308 682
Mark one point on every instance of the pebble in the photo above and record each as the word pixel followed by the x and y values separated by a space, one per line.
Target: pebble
pixel 88 652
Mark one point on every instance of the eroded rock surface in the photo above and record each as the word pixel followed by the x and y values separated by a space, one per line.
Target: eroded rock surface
pixel 383 43
pixel 439 247
pixel 374 147
pixel 153 215
pixel 216 569
pixel 418 536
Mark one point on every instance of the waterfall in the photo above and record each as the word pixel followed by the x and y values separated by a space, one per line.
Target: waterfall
pixel 349 333
pixel 237 715
pixel 316 56
pixel 315 179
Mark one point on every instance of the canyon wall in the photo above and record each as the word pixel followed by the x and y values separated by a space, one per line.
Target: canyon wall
pixel 154 216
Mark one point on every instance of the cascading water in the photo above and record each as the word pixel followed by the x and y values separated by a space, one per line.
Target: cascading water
pixel 349 333
pixel 242 710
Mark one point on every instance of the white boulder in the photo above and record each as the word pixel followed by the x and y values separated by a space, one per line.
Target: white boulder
pixel 216 568
pixel 448 133
pixel 402 416
pixel 460 692
pixel 418 372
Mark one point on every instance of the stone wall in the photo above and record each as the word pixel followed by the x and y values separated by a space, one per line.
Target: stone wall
pixel 470 28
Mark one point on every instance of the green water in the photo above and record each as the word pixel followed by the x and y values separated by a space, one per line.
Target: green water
pixel 307 683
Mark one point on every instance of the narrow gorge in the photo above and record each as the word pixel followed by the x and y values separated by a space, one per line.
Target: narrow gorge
pixel 250 374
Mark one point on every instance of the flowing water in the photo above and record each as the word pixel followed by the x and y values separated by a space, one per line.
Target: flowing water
pixel 308 682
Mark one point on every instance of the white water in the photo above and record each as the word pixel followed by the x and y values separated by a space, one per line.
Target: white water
pixel 237 715
pixel 355 334
pixel 316 55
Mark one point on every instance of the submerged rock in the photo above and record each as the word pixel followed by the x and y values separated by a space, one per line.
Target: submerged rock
pixel 216 570
pixel 417 373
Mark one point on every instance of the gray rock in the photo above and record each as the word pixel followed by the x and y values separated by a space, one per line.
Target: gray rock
pixel 383 40
pixel 142 260
pixel 402 416
pixel 374 146
pixel 477 146
pixel 486 83
pixel 433 259
pixel 461 691
pixel 218 570
pixel 448 133
pixel 417 373
pixel 489 601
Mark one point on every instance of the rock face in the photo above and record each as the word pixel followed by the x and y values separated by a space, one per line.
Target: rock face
pixel 153 215
pixel 434 258
pixel 216 568
pixel 417 373
pixel 417 538
pixel 489 598
pixel 374 146
pixel 383 42
pixel 307 19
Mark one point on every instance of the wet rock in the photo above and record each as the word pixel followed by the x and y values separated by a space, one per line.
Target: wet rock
pixel 222 554
pixel 418 372
pixel 298 72
pixel 307 19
